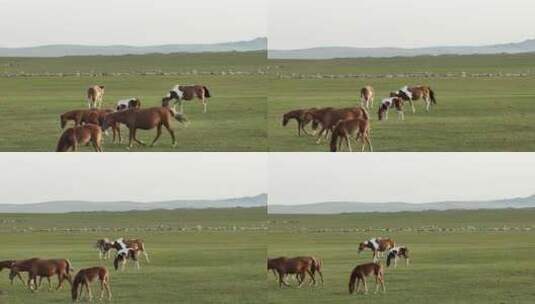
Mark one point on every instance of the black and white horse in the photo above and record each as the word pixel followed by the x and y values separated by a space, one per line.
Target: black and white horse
pixel 395 253
pixel 181 93
pixel 392 102
pixel 104 247
pixel 124 255
pixel 128 103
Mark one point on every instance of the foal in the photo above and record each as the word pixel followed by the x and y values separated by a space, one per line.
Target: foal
pixel 302 117
pixel 348 129
pixel 104 247
pixel 377 245
pixel 361 272
pixel 72 138
pixel 328 118
pixel 395 253
pixel 85 277
pixel 388 103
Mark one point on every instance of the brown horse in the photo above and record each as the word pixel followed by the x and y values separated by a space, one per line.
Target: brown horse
pixel 144 119
pixel 315 267
pixel 411 94
pixel 377 245
pixel 285 266
pixel 396 253
pixel 367 95
pixel 361 272
pixel 97 116
pixel 85 277
pixel 6 264
pixel 73 137
pixel 349 129
pixel 43 269
pixel 302 118
pixel 392 102
pixel 328 118
pixel 22 266
pixel 95 95
pixel 181 93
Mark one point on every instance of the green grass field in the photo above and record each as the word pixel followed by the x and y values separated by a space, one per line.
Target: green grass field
pixel 209 256
pixel 236 118
pixel 490 113
pixel 456 256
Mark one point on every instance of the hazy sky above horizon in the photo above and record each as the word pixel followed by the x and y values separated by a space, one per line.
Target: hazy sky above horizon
pixel 297 24
pixel 143 177
pixel 398 177
pixel 133 22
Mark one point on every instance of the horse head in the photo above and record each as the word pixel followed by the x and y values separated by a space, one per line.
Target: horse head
pixel 362 246
pixel 285 120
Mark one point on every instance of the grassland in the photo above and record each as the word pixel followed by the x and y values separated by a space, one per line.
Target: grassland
pixel 484 102
pixel 35 91
pixel 456 256
pixel 209 256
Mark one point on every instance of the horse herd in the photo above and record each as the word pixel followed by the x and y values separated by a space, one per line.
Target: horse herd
pixel 300 267
pixel 62 268
pixel 354 123
pixel 89 124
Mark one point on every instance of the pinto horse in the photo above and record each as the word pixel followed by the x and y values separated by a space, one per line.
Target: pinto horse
pixel 361 272
pixel 301 116
pixel 85 277
pixel 104 247
pixel 181 93
pixel 392 102
pixel 129 103
pixel 73 137
pixel 367 94
pixel 396 253
pixel 125 254
pixel 377 245
pixel 348 129
pixel 144 119
pixel 328 118
pixel 284 266
pixel 95 95
pixel 411 94
pixel 135 244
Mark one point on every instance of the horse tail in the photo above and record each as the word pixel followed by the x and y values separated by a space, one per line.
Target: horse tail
pixel 334 139
pixel 74 289
pixel 206 92
pixel 432 96
pixel 352 280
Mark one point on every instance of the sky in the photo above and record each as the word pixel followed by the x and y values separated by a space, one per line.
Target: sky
pixel 297 24
pixel 143 177
pixel 302 178
pixel 132 22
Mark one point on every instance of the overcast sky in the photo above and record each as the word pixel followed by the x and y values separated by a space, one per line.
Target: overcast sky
pixel 133 22
pixel 143 177
pixel 400 23
pixel 408 177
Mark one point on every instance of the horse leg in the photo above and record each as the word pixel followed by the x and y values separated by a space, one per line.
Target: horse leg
pixel 348 143
pixel 158 133
pixel 204 103
pixel 412 106
pixel 181 107
pixel 311 277
pixel 428 104
pixel 320 136
pixel 146 254
pixel 108 289
pixel 376 284
pixel 357 289
pixel 171 132
pixel 401 115
pixel 298 128
pixel 137 140
pixel 365 285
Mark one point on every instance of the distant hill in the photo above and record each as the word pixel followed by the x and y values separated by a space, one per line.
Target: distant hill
pixel 527 46
pixel 257 44
pixel 83 206
pixel 355 207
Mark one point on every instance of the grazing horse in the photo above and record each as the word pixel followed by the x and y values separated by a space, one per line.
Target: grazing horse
pixel 411 94
pixel 136 244
pixel 42 269
pixel 361 272
pixel 315 267
pixel 85 277
pixel 328 118
pixel 81 135
pixel 348 129
pixel 181 93
pixel 285 266
pixel 6 264
pixel 396 252
pixel 129 103
pixel 144 119
pixel 95 95
pixel 367 95
pixel 104 247
pixel 377 245
pixel 392 102
pixel 124 255
pixel 302 118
